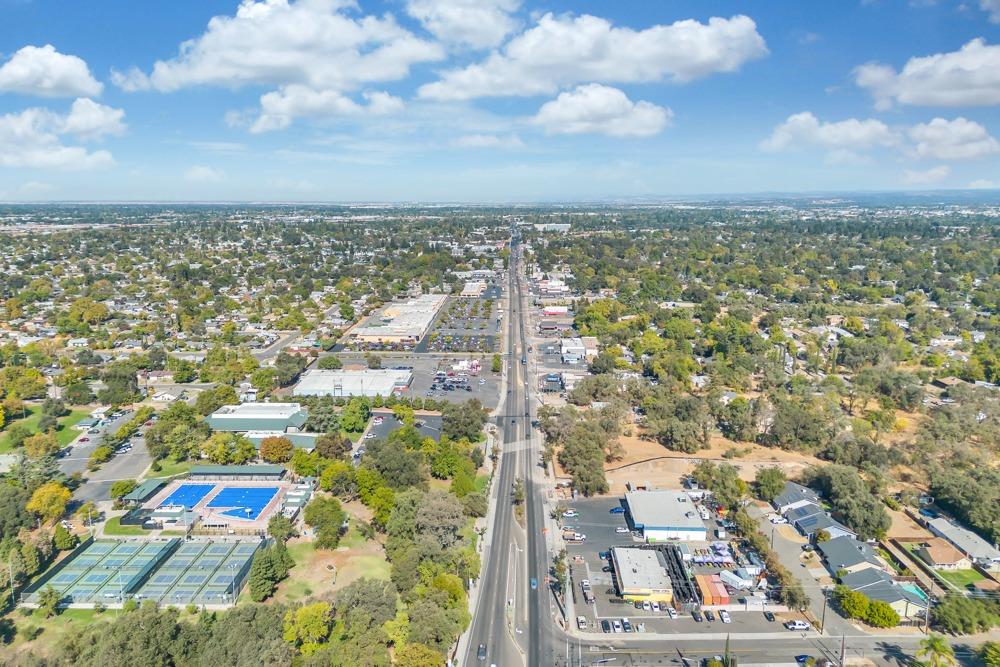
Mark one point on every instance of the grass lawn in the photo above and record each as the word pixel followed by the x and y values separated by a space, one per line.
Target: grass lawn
pixel 55 630
pixel 114 527
pixel 171 468
pixel 373 567
pixel 354 538
pixel 64 435
pixel 960 578
pixel 353 436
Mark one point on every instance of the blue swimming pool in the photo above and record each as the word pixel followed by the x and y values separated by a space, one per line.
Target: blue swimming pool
pixel 916 590
pixel 188 495
pixel 243 502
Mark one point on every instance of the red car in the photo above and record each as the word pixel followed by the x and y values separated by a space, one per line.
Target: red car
pixel 84 439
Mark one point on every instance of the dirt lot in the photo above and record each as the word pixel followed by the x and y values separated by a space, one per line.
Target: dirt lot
pixel 649 462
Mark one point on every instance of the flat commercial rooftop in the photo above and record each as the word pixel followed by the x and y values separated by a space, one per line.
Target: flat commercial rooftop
pixel 368 382
pixel 406 320
pixel 640 571
pixel 663 510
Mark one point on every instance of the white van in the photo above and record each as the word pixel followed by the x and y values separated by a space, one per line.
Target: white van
pixel 581 622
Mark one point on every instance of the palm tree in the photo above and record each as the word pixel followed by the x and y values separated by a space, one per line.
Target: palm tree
pixel 937 651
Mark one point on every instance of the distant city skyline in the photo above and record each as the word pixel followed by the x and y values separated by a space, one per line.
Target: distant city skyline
pixel 494 100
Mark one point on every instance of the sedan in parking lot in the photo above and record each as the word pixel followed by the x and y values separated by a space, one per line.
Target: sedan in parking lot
pixel 769 616
pixel 709 615
pixel 696 615
pixel 724 616
pixel 621 530
pixel 605 625
pixel 618 510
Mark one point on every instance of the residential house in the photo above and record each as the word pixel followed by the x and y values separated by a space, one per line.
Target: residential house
pixel 848 554
pixel 875 584
pixel 940 554
pixel 793 496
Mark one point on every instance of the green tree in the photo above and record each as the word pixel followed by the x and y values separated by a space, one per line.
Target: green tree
pixel 769 482
pixel 332 445
pixel 330 362
pixel 263 577
pixel 417 655
pixel 280 527
pixel 121 488
pixel 308 626
pixel 326 516
pixel 881 615
pixel 63 539
pixel 936 651
pixel 48 601
pixel 989 653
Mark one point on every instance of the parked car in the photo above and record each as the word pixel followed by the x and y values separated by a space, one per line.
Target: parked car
pixel 778 520
pixel 604 555
pixel 626 625
pixel 607 568
pixel 696 615
pixel 618 510
pixel 605 625
pixel 581 622
pixel 769 616
pixel 616 626
pixel 621 530
pixel 709 615
pixel 656 606
pixel 798 625
pixel 571 514
pixel 84 439
pixel 671 612
pixel 724 616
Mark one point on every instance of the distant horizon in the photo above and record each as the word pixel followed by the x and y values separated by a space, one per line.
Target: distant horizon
pixel 609 200
pixel 485 101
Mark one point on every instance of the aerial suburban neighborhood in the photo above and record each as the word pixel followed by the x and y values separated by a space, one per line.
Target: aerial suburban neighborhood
pixel 500 333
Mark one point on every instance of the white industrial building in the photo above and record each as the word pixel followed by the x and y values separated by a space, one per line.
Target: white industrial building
pixel 665 515
pixel 572 350
pixel 368 382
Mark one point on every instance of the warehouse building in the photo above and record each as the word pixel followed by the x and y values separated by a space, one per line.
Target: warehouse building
pixel 641 575
pixel 258 417
pixel 665 515
pixel 367 382
pixel 406 322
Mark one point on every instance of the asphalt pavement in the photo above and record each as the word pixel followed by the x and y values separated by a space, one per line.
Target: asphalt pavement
pixel 96 485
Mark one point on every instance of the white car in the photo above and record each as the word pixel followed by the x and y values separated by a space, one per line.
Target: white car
pixel 571 514
pixel 671 612
pixel 369 436
pixel 621 530
pixel 778 520
pixel 616 626
pixel 724 616
pixel 646 606
pixel 798 625
pixel 656 607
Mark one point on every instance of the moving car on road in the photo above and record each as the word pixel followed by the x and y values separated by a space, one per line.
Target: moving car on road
pixel 798 625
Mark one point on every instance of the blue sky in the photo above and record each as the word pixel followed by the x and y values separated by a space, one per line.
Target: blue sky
pixel 494 100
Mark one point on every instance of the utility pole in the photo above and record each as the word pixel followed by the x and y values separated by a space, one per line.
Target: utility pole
pixel 843 649
pixel 822 622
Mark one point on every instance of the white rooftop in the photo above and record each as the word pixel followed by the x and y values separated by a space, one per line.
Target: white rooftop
pixel 409 318
pixel 368 382
pixel 640 570
pixel 663 509
pixel 276 410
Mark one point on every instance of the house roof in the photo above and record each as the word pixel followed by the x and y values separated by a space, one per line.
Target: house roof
pixel 144 490
pixel 844 552
pixel 803 511
pixel 793 493
pixel 965 540
pixel 877 585
pixel 938 551
pixel 822 521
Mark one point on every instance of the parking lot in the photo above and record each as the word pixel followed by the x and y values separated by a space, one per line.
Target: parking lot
pixel 596 521
pixel 464 325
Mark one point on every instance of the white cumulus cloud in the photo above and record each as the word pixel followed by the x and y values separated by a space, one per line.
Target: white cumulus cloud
pixel 44 72
pixel 91 120
pixel 927 176
pixel 282 42
pixel 35 137
pixel 279 108
pixel 597 109
pixel 201 174
pixel 488 141
pixel 967 77
pixel 474 23
pixel 565 50
pixel 958 139
pixel 804 130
